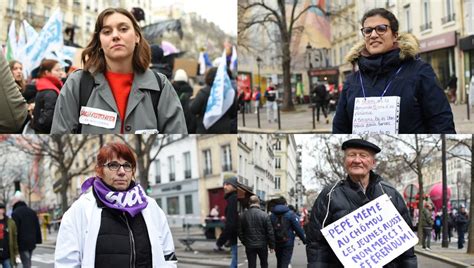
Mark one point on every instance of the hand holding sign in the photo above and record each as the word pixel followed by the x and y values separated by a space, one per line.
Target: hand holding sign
pixel 371 236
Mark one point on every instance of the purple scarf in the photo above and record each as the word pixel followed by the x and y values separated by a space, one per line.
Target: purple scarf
pixel 132 201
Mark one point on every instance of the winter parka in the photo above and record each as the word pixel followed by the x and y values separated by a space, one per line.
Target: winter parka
pixel 424 107
pixel 140 114
pixel 255 229
pixel 347 196
pixel 294 225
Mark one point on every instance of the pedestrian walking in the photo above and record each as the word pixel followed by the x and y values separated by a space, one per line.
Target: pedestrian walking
pixel 452 88
pixel 256 98
pixel 247 100
pixel 361 186
pixel 438 223
pixel 286 227
pixel 271 96
pixel 114 223
pixel 450 225
pixel 426 221
pixel 321 100
pixel 48 86
pixel 256 234
pixel 13 107
pixel 462 222
pixel 117 92
pixel 8 240
pixel 390 71
pixel 230 232
pixel 28 228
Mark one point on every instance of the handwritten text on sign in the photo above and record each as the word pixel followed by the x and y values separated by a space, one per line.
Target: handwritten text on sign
pixel 376 115
pixel 371 236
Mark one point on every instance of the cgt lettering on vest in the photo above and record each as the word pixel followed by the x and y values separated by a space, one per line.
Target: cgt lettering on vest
pixel 370 236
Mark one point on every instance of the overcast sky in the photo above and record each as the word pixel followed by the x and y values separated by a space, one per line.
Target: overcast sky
pixel 221 12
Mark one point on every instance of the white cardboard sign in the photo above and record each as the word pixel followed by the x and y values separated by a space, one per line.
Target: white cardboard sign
pixel 376 115
pixel 371 236
pixel 97 117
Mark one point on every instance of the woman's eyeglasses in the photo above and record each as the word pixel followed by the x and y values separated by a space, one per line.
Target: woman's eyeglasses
pixel 379 29
pixel 114 166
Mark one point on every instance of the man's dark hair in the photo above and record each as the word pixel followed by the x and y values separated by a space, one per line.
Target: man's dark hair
pixel 280 201
pixel 383 13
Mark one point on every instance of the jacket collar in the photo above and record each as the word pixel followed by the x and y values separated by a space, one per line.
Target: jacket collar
pixel 146 80
pixel 408 44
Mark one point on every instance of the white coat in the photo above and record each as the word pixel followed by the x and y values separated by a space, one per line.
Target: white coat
pixel 77 237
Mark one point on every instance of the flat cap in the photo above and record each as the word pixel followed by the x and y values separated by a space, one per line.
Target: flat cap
pixel 360 144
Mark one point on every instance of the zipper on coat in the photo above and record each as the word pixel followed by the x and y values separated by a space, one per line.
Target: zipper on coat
pixel 132 241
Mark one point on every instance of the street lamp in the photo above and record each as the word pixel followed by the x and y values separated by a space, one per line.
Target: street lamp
pixel 259 61
pixel 308 51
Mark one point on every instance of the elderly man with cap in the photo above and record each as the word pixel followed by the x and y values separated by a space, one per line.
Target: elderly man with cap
pixel 229 234
pixel 361 186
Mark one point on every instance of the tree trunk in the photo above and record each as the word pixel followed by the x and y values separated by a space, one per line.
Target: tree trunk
pixel 470 233
pixel 143 178
pixel 63 191
pixel 420 191
pixel 287 104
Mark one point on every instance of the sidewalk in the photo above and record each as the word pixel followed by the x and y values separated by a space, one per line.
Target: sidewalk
pixel 203 253
pixel 301 121
pixel 50 240
pixel 451 255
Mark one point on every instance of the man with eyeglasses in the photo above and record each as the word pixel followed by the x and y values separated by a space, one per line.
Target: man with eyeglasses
pixel 335 201
pixel 393 91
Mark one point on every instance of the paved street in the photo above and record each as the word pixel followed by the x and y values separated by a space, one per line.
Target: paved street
pixel 301 121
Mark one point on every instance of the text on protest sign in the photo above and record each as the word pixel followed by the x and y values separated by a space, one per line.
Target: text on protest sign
pixel 376 115
pixel 371 236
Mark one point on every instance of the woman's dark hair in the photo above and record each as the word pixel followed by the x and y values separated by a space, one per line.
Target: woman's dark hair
pixel 383 13
pixel 46 65
pixel 93 57
pixel 22 82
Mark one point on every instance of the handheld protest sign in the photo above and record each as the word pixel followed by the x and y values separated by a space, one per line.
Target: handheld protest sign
pixel 371 236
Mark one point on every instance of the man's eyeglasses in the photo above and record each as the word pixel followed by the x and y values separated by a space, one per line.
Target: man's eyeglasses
pixel 379 29
pixel 114 166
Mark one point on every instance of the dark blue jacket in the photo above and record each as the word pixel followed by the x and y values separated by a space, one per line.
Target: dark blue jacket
pixel 424 107
pixel 294 224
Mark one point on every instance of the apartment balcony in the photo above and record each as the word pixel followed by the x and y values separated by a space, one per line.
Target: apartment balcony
pixel 449 18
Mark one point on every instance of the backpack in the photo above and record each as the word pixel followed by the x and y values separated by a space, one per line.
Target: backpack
pixel 438 222
pixel 86 86
pixel 280 228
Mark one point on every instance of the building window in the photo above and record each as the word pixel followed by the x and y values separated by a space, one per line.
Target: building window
pixel 278 145
pixel 188 202
pixel 448 12
pixel 171 168
pixel 226 158
pixel 158 201
pixel 172 204
pixel 407 19
pixel 277 162
pixel 157 172
pixel 426 16
pixel 207 162
pixel 47 13
pixel 187 165
pixel 277 183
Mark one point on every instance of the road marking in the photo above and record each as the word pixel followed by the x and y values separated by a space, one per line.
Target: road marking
pixel 47 258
